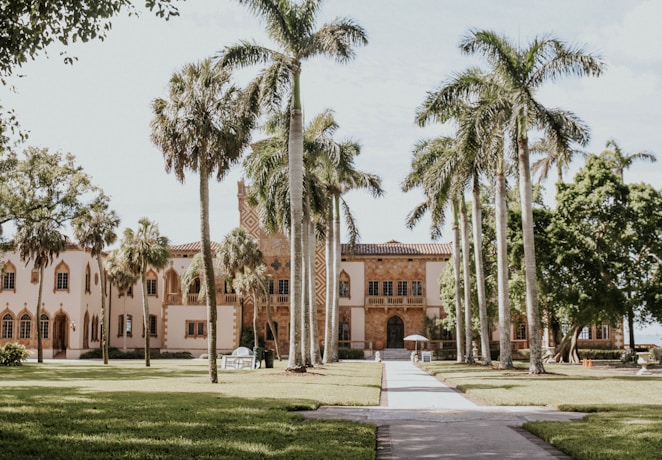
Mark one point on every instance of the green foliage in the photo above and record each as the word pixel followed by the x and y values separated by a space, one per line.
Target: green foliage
pixel 247 340
pixel 13 354
pixel 601 354
pixel 29 27
pixel 348 353
pixel 116 353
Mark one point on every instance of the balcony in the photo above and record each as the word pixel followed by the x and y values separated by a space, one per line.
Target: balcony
pixel 221 299
pixel 395 301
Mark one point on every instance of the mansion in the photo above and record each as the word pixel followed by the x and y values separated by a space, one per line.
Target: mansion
pixel 387 291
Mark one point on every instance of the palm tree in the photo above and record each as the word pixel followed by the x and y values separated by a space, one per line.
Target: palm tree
pixel 94 228
pixel 521 72
pixel 238 255
pixel 120 274
pixel 142 248
pixel 40 241
pixel 620 161
pixel 561 158
pixel 292 26
pixel 433 168
pixel 204 127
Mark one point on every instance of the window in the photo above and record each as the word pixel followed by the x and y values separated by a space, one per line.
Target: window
pixel 402 288
pixel 373 288
pixel 343 288
pixel 61 277
pixel 129 292
pixel 387 288
pixel 7 326
pixel 417 288
pixel 152 326
pixel 9 277
pixel 585 334
pixel 88 280
pixel 24 328
pixel 270 336
pixel 95 328
pixel 283 286
pixel 34 276
pixel 152 285
pixel 196 329
pixel 271 287
pixel 43 324
pixel 602 332
pixel 62 283
pixel 343 332
pixel 520 331
pixel 121 323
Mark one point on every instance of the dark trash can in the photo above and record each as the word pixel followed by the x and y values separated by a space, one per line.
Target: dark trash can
pixel 269 359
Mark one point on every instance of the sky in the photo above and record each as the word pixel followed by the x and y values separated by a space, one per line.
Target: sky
pixel 99 108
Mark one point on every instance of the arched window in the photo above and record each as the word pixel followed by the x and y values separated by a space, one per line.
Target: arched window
pixel 7 326
pixel 520 330
pixel 152 283
pixel 62 277
pixel 24 328
pixel 129 325
pixel 9 277
pixel 43 323
pixel 343 286
pixel 88 279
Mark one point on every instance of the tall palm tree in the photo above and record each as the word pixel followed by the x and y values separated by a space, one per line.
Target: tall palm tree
pixel 522 72
pixel 142 248
pixel 619 161
pixel 40 241
pixel 121 275
pixel 291 25
pixel 433 169
pixel 94 228
pixel 203 127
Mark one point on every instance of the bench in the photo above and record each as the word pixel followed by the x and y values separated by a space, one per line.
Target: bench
pixel 241 358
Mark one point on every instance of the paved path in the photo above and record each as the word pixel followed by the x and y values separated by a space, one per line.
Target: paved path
pixel 421 417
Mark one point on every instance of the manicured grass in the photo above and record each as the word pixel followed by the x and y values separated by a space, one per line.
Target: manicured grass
pixel 81 410
pixel 625 410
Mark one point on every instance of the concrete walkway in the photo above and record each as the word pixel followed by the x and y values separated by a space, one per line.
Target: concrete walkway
pixel 420 417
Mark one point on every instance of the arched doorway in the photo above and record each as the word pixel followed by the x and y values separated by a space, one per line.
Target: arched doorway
pixel 395 333
pixel 60 335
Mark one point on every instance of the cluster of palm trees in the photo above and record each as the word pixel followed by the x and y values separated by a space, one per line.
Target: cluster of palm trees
pixel 494 112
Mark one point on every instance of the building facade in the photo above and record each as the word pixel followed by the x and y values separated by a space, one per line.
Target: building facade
pixel 387 291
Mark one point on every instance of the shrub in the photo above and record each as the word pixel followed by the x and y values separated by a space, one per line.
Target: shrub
pixel 116 353
pixel 344 353
pixel 13 354
pixel 601 354
pixel 445 354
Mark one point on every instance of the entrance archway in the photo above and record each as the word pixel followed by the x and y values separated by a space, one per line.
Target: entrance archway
pixel 60 334
pixel 395 333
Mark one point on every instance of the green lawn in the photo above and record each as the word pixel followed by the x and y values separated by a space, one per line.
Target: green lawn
pixel 82 410
pixel 625 410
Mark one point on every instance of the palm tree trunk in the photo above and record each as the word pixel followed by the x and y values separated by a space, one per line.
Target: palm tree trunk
pixel 208 265
pixel 480 275
pixel 104 322
pixel 466 265
pixel 316 358
pixel 305 301
pixel 124 325
pixel 505 347
pixel 40 342
pixel 459 328
pixel 295 149
pixel 335 293
pixel 329 283
pixel 143 282
pixel 532 310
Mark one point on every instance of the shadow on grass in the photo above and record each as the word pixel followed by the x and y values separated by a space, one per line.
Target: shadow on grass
pixel 92 372
pixel 38 422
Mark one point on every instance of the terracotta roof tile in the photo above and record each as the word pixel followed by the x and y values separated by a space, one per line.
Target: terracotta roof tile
pixel 395 248
pixel 195 246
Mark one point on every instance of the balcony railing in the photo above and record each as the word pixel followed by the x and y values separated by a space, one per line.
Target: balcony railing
pixel 280 299
pixel 385 301
pixel 221 298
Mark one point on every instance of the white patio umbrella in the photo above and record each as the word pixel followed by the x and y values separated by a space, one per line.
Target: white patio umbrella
pixel 417 338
